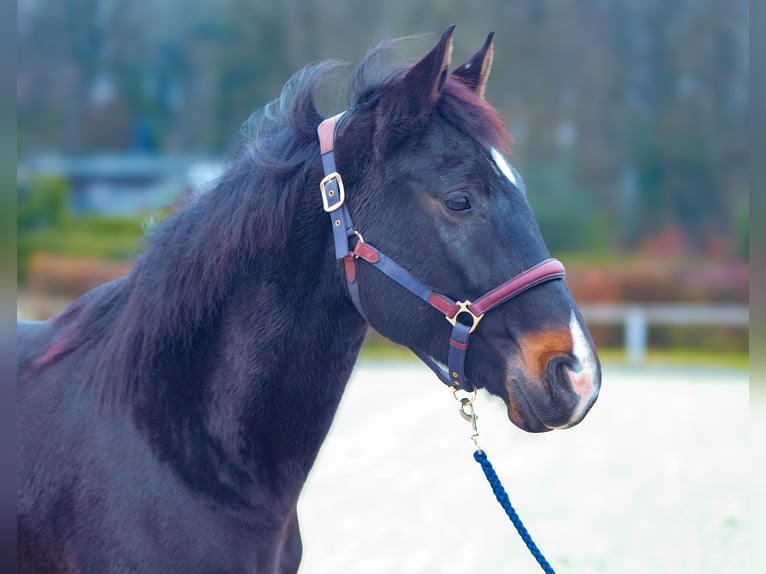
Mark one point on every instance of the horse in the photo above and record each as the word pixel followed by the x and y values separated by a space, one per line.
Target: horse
pixel 169 419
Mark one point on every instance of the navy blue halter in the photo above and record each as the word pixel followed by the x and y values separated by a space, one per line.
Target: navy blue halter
pixel 344 234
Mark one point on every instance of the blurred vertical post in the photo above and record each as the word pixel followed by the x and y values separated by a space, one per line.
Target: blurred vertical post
pixel 636 335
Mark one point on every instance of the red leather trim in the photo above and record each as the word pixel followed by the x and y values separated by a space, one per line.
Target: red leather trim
pixel 366 252
pixel 350 265
pixel 461 346
pixel 443 304
pixel 326 132
pixel 544 271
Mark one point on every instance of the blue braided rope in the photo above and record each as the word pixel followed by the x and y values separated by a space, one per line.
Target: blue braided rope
pixel 502 498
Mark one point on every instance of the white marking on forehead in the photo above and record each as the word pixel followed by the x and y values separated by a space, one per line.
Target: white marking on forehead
pixel 503 165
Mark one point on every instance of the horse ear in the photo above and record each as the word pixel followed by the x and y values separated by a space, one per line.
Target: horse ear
pixel 411 100
pixel 424 82
pixel 475 72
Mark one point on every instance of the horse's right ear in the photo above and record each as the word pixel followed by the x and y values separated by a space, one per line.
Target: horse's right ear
pixel 408 105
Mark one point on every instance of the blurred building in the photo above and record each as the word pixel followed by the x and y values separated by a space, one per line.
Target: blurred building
pixel 117 185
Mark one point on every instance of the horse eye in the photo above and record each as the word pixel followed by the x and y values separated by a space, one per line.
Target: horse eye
pixel 458 204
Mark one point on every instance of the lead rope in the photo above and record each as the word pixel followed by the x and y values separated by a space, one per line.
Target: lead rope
pixel 468 413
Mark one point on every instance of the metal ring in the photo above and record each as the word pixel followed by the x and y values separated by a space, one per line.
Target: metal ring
pixel 464 401
pixel 465 307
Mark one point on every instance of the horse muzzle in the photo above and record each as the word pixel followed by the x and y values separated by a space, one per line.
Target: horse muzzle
pixel 556 382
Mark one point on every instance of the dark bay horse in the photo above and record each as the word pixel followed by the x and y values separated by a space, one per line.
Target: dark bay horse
pixel 169 419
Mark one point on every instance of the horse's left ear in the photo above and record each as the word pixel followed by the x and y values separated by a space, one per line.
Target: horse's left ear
pixel 409 103
pixel 475 72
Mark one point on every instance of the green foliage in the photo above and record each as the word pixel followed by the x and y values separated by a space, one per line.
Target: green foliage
pixel 565 212
pixel 101 238
pixel 42 202
pixel 46 226
pixel 679 357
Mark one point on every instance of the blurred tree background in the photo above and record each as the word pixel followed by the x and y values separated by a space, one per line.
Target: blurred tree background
pixel 629 117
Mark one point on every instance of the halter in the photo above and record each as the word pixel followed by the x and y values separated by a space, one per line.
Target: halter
pixel 333 201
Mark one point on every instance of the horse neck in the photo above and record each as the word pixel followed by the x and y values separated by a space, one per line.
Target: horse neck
pixel 260 385
pixel 288 342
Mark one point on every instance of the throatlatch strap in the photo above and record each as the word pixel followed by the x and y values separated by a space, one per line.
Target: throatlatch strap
pixel 333 193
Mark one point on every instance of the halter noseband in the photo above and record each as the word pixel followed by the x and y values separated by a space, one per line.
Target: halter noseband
pixel 333 200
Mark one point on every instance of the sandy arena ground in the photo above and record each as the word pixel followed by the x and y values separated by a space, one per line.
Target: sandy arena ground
pixel 653 481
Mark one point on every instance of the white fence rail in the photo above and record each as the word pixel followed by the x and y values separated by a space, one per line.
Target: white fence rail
pixel 637 318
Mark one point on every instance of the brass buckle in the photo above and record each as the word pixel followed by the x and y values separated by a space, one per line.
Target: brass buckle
pixel 464 307
pixel 325 194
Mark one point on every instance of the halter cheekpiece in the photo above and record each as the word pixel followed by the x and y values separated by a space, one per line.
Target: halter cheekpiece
pixel 334 203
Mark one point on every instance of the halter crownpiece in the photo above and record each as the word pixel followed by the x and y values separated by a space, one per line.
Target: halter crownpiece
pixel 334 203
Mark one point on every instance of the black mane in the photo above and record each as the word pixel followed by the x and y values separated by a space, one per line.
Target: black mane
pixel 180 283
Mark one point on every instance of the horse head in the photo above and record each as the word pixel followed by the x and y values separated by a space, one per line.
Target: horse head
pixel 428 183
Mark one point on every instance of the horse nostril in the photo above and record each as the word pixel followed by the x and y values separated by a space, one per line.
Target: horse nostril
pixel 573 388
pixel 557 368
pixel 567 373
